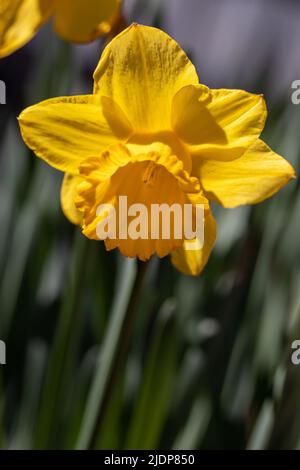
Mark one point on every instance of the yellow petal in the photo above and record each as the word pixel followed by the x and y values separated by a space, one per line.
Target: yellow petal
pixel 250 179
pixel 142 69
pixel 19 22
pixel 67 195
pixel 64 131
pixel 218 124
pixel 85 20
pixel 192 262
pixel 191 119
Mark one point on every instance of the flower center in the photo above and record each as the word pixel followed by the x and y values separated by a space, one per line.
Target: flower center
pixel 149 175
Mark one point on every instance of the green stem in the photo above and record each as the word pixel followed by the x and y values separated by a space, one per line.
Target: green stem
pixel 61 361
pixel 113 354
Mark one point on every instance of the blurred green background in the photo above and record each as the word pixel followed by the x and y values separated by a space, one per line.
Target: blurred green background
pixel 103 353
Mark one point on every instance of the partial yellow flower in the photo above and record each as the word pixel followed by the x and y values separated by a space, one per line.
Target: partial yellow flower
pixel 151 132
pixel 74 20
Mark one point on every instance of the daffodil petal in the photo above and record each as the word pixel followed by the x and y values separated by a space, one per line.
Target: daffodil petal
pixel 67 195
pixel 64 131
pixel 83 21
pixel 19 22
pixel 141 70
pixel 250 179
pixel 191 119
pixel 219 124
pixel 192 261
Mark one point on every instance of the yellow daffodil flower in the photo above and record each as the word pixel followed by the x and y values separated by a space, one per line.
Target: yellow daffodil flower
pixel 152 132
pixel 74 20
